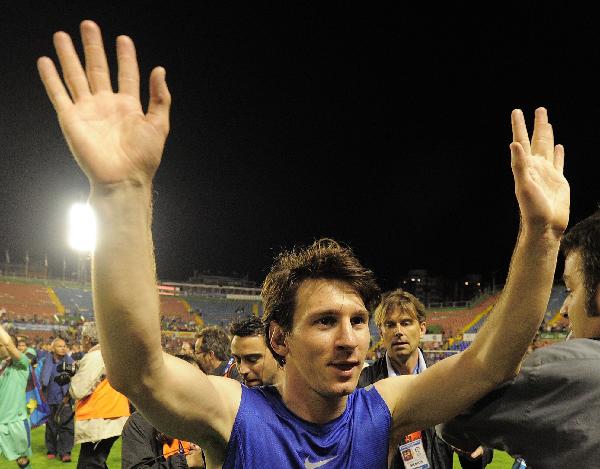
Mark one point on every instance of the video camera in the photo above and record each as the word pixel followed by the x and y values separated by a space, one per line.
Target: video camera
pixel 65 372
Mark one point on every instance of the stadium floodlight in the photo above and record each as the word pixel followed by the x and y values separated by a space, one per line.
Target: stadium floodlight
pixel 82 228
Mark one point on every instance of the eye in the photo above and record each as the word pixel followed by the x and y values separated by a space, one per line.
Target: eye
pixel 325 321
pixel 406 323
pixel 390 324
pixel 358 320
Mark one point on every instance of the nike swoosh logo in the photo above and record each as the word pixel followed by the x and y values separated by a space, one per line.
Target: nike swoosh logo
pixel 313 465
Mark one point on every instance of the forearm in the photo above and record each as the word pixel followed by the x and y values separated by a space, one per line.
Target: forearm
pixel 125 297
pixel 13 351
pixel 514 320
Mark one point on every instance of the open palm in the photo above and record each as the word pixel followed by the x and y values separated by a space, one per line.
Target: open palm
pixel 108 133
pixel 541 188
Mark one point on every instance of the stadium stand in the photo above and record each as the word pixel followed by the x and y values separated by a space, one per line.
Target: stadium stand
pixel 76 301
pixel 172 306
pixel 222 311
pixel 27 301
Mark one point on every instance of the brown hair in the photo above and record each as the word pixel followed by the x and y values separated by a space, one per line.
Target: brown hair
pixel 324 259
pixel 584 238
pixel 399 299
pixel 216 340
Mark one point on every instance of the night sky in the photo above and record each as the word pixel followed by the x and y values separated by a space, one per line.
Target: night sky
pixel 386 129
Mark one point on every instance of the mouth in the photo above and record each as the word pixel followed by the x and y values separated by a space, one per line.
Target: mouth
pixel 346 368
pixel 400 344
pixel 251 383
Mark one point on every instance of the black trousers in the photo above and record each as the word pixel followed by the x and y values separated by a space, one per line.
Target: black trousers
pixel 94 455
pixel 59 429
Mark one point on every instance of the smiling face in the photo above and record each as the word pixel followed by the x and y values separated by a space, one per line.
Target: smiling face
pixel 575 306
pixel 327 345
pixel 254 360
pixel 401 333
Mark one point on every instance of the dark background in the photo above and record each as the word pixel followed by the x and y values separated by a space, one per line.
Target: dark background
pixel 387 129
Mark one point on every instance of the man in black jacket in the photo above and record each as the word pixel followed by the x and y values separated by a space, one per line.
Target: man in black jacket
pixel 400 318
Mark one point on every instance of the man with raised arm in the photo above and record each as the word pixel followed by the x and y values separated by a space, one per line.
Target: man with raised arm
pixel 316 299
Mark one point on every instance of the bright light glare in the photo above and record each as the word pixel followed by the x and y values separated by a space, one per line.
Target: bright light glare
pixel 82 228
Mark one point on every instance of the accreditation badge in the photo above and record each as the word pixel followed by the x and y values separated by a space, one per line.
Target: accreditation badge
pixel 413 452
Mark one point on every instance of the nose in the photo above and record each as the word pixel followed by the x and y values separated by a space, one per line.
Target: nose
pixel 243 368
pixel 346 336
pixel 564 310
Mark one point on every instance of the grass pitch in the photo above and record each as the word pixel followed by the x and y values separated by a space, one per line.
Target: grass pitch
pixel 39 461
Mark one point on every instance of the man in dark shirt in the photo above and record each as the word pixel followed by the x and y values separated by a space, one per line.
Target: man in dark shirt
pixel 213 353
pixel 400 318
pixel 549 412
pixel 145 447
pixel 60 426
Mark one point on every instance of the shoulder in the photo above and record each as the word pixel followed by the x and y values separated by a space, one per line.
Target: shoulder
pixel 580 350
pixel 372 373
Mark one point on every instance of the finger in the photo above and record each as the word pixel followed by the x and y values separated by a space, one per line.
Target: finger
pixel 55 89
pixel 518 162
pixel 559 158
pixel 519 130
pixel 160 101
pixel 96 65
pixel 542 142
pixel 129 72
pixel 72 70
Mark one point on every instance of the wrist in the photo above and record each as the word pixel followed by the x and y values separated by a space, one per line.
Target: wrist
pixel 547 233
pixel 99 191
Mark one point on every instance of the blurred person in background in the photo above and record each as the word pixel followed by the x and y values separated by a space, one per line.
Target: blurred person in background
pixel 254 361
pixel 213 353
pixel 186 349
pixel 15 432
pixel 59 426
pixel 100 411
pixel 145 447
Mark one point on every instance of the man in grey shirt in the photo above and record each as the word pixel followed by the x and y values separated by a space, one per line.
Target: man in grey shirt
pixel 549 413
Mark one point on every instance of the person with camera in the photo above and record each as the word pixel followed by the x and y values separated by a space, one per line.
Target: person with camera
pixel 56 374
pixel 100 412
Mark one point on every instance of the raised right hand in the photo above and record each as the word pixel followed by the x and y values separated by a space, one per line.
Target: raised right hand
pixel 111 138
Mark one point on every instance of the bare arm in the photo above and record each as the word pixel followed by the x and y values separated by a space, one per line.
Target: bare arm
pixel 494 357
pixel 8 344
pixel 119 147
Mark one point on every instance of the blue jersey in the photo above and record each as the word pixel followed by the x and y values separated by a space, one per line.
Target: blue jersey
pixel 267 435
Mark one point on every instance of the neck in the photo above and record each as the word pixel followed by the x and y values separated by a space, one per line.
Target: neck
pixel 405 366
pixel 309 404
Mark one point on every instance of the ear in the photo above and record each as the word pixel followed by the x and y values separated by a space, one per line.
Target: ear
pixel 423 327
pixel 278 339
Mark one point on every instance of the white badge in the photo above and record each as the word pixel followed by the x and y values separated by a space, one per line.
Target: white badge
pixel 413 455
